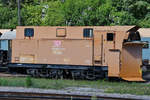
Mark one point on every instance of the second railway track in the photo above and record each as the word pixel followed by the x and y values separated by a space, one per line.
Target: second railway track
pixel 46 96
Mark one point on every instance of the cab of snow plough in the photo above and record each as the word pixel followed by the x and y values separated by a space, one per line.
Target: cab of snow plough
pixel 119 48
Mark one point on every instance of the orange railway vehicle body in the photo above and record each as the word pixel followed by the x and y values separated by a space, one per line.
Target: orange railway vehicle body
pixel 118 47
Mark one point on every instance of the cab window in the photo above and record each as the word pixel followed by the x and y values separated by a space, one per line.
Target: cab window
pixel 88 32
pixel 28 32
pixel 110 36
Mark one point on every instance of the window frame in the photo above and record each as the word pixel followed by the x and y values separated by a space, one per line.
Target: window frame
pixel 109 38
pixel 61 35
pixel 89 35
pixel 28 29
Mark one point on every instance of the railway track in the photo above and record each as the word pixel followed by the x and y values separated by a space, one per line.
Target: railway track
pixel 13 95
pixel 45 96
pixel 3 74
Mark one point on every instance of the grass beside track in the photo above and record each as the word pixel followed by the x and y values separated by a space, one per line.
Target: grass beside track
pixel 108 87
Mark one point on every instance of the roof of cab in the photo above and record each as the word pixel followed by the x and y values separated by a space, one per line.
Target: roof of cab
pixel 113 28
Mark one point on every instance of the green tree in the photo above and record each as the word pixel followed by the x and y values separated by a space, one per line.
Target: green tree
pixel 122 18
pixel 52 14
pixel 139 9
pixel 75 12
pixel 145 22
pixel 32 15
pixel 8 18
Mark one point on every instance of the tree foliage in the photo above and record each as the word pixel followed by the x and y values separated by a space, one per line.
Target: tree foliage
pixel 75 12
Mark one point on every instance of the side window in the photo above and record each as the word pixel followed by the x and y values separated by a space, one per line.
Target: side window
pixel 28 32
pixel 88 32
pixel 110 36
pixel 60 32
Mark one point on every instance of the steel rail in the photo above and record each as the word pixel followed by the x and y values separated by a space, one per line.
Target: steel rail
pixel 47 96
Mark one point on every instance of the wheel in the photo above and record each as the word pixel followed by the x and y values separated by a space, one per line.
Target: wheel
pixel 33 72
pixel 90 75
pixel 56 73
pixel 77 74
